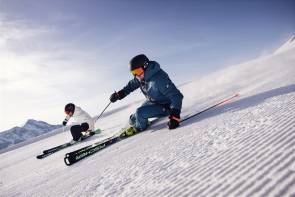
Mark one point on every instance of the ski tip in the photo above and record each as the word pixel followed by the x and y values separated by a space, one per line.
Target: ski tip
pixel 67 160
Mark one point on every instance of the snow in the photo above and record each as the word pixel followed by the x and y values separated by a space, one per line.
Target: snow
pixel 243 148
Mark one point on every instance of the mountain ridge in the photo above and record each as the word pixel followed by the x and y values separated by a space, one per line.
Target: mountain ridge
pixel 31 129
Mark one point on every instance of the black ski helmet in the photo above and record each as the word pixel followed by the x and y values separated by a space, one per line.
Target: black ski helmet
pixel 70 107
pixel 139 61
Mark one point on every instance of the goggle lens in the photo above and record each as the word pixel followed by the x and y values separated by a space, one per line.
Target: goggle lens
pixel 137 72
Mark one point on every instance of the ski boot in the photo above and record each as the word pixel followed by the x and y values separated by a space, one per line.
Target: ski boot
pixel 90 132
pixel 86 134
pixel 129 132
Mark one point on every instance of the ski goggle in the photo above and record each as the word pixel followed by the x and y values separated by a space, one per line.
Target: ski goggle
pixel 137 72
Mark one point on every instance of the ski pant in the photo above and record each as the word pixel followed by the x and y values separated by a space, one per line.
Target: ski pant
pixel 76 130
pixel 147 110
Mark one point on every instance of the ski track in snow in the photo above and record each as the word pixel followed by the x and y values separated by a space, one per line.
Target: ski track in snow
pixel 243 148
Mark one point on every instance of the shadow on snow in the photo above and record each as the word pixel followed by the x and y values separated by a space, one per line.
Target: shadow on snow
pixel 242 103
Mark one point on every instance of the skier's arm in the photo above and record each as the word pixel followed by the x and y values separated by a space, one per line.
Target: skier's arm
pixel 66 120
pixel 130 87
pixel 168 89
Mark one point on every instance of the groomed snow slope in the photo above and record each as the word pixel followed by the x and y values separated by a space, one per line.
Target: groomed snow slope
pixel 243 148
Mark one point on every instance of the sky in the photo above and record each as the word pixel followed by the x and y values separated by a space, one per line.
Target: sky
pixel 60 51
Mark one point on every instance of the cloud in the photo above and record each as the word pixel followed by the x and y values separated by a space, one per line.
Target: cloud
pixel 39 73
pixel 46 66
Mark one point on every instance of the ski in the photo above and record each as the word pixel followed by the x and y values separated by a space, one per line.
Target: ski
pixel 55 149
pixel 63 146
pixel 77 155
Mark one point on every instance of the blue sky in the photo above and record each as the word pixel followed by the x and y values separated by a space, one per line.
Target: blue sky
pixel 59 51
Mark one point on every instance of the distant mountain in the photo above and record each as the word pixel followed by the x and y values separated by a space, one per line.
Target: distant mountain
pixel 31 129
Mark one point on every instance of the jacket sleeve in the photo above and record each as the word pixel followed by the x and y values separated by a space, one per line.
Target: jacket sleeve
pixel 131 86
pixel 67 118
pixel 169 90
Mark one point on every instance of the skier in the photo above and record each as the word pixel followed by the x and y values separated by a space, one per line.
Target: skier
pixel 162 96
pixel 83 124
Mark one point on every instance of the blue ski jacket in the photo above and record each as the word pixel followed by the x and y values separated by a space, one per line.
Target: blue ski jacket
pixel 157 87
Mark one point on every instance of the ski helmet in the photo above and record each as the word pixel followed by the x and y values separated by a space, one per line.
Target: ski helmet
pixel 70 107
pixel 139 61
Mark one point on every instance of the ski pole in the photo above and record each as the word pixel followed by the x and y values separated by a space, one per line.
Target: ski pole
pixel 103 111
pixel 217 104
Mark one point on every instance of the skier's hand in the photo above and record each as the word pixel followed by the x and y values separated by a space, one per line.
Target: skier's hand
pixel 174 119
pixel 64 123
pixel 114 97
pixel 117 96
pixel 173 124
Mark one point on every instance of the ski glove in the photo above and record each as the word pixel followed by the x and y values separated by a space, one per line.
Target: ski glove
pixel 117 96
pixel 174 119
pixel 64 123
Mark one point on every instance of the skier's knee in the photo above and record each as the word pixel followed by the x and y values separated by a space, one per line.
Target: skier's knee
pixel 139 112
pixel 84 126
pixel 142 113
pixel 75 128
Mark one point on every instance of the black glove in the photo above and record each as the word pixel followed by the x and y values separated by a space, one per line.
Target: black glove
pixel 174 119
pixel 64 123
pixel 117 96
